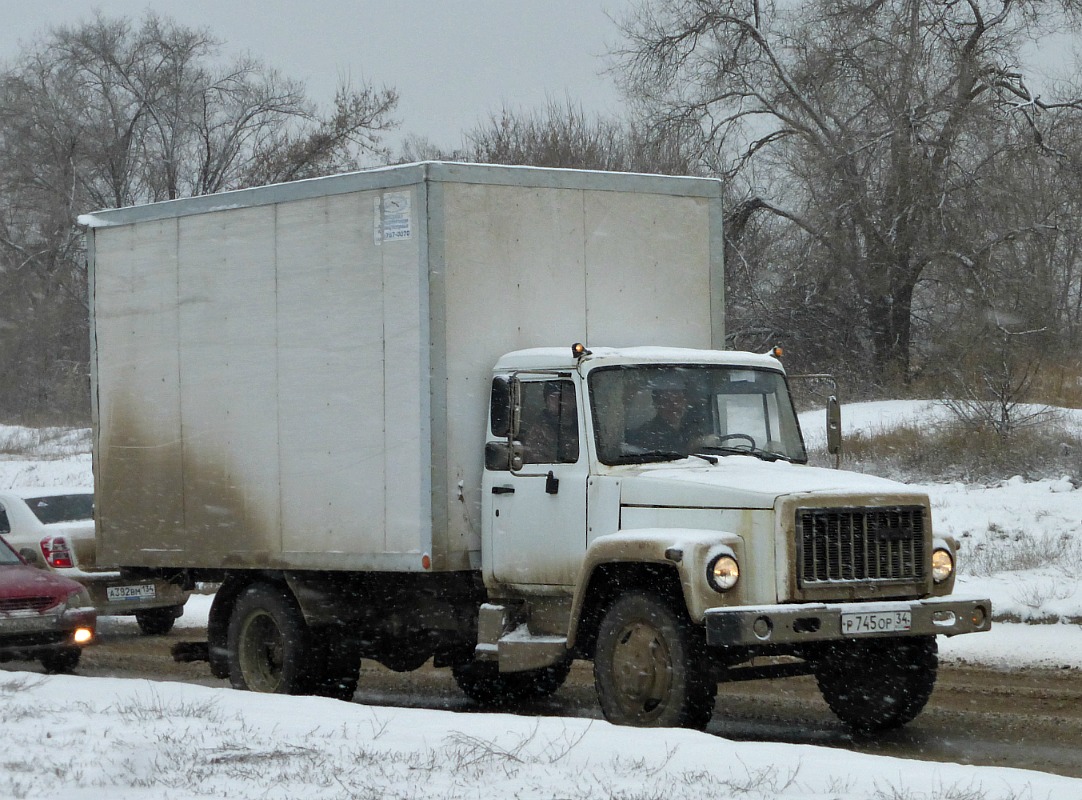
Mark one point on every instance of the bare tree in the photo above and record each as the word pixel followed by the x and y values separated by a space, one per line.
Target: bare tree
pixel 109 113
pixel 871 129
pixel 564 135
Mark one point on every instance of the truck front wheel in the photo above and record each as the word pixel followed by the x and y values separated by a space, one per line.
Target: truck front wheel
pixel 878 684
pixel 650 666
pixel 267 642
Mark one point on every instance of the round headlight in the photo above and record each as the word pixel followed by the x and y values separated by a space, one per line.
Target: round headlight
pixel 723 573
pixel 942 565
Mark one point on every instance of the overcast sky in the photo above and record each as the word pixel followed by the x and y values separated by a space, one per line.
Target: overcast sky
pixel 453 63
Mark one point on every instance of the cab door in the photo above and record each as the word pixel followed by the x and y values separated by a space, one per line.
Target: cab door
pixel 536 515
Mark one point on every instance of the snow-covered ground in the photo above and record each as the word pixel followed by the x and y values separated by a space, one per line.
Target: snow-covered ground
pixel 71 738
pixel 81 738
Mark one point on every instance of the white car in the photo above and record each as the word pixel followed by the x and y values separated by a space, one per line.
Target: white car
pixel 54 529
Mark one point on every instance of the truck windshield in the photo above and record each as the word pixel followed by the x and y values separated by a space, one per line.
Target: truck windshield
pixel 666 412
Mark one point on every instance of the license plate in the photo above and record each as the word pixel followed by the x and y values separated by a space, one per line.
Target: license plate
pixel 35 622
pixel 143 591
pixel 868 622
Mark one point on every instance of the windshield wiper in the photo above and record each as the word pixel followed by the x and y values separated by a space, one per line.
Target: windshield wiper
pixel 652 456
pixel 763 455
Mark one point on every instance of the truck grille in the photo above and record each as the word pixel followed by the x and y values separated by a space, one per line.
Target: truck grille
pixel 867 545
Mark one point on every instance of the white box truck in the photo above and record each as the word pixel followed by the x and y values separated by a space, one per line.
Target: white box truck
pixel 480 415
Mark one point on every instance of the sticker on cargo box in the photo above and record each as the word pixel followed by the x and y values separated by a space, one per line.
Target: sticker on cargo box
pixel 142 591
pixel 393 217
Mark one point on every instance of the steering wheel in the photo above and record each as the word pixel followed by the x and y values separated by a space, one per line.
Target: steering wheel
pixel 727 436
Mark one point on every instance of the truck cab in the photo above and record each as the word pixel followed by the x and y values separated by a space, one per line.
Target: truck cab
pixel 679 478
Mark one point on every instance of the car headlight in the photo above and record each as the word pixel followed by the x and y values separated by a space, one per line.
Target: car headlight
pixel 722 573
pixel 79 599
pixel 942 565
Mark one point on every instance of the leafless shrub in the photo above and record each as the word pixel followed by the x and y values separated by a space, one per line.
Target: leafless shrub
pixel 1037 596
pixel 956 792
pixel 1011 551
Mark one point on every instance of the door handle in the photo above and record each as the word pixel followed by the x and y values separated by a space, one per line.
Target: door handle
pixel 503 489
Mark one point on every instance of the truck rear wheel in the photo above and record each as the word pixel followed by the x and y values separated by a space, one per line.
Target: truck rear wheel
pixel 267 642
pixel 878 684
pixel 158 621
pixel 483 682
pixel 650 667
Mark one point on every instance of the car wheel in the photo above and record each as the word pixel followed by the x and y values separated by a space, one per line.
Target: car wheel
pixel 650 667
pixel 61 660
pixel 158 621
pixel 268 642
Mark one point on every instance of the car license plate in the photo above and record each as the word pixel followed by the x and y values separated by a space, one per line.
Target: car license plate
pixel 29 623
pixel 867 622
pixel 142 591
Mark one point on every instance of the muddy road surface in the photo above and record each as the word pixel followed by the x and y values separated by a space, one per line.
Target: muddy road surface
pixel 1028 720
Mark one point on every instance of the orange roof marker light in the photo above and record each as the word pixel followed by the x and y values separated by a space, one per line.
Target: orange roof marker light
pixel 776 351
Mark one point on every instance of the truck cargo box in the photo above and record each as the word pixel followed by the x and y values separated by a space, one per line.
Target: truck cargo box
pixel 296 376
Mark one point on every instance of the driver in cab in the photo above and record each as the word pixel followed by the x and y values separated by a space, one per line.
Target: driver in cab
pixel 669 430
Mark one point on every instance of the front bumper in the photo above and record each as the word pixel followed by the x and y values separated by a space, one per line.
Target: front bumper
pixel 818 622
pixel 23 636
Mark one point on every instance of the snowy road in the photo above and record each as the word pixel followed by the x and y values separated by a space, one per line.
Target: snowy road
pixel 1022 718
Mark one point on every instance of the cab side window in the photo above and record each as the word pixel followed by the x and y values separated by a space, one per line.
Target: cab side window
pixel 550 425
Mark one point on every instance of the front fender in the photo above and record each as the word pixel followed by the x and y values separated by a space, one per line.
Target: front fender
pixel 686 550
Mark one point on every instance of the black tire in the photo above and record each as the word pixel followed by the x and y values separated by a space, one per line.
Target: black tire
pixel 268 642
pixel 221 612
pixel 876 685
pixel 158 621
pixel 650 666
pixel 334 665
pixel 483 682
pixel 62 660
pixel 405 653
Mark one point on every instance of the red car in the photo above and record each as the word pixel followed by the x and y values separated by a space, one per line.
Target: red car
pixel 42 616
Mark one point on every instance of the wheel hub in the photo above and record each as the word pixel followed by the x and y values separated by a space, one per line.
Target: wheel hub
pixel 262 653
pixel 644 676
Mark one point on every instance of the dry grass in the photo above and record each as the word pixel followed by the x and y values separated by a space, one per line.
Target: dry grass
pixel 951 452
pixel 44 443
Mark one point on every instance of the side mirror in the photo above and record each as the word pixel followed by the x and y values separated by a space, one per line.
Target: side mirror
pixel 33 558
pixel 834 426
pixel 503 457
pixel 504 406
